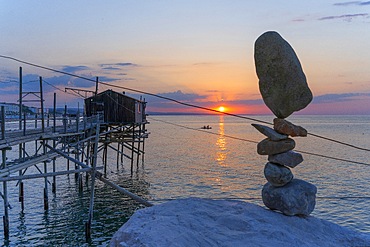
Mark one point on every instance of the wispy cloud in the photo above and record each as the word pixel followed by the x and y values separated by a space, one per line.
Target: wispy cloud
pixel 347 3
pixel 111 68
pixel 107 79
pixel 73 69
pixel 332 98
pixel 347 17
pixel 298 20
pixel 117 66
pixel 125 64
pixel 358 3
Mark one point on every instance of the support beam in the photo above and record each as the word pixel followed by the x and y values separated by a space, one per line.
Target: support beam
pixel 118 151
pixel 43 175
pixel 99 176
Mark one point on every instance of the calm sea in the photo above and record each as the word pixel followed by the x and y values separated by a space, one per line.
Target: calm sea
pixel 183 162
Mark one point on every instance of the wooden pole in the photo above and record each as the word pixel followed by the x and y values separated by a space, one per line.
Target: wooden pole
pixel 46 197
pixel 36 118
pixel 143 145
pixel 54 184
pixel 122 150
pixel 5 189
pixel 65 119
pixel 105 153
pixel 36 141
pixel 96 85
pixel 138 148
pixel 78 118
pixel 5 192
pixel 93 175
pixel 2 122
pixel 132 148
pixel 78 150
pixel 20 98
pixel 117 158
pixel 54 113
pixel 42 107
pixel 20 146
pixel 83 156
pixel 65 130
pixel 88 151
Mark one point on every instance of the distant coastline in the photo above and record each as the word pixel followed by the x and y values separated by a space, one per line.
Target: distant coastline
pixel 244 114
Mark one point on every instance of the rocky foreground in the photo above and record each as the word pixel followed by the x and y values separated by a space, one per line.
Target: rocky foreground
pixel 206 222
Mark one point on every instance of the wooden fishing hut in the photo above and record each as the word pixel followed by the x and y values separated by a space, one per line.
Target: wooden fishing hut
pixel 118 108
pixel 112 120
pixel 124 120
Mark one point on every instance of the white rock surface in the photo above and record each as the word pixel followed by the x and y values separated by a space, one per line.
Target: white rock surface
pixel 205 222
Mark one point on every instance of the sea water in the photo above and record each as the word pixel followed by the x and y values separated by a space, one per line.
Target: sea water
pixel 182 160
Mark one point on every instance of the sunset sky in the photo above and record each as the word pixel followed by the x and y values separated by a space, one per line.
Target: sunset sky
pixel 194 51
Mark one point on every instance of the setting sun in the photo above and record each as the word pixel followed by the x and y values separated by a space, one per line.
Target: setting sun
pixel 221 109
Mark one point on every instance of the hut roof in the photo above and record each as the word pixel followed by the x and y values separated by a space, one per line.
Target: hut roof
pixel 110 91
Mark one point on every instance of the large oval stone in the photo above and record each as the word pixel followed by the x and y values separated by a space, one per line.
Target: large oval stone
pixel 268 147
pixel 277 175
pixel 296 198
pixel 282 82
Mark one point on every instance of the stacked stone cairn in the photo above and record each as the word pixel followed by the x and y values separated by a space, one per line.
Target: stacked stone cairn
pixel 284 89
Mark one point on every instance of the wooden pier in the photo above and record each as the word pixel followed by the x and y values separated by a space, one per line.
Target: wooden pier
pixel 111 120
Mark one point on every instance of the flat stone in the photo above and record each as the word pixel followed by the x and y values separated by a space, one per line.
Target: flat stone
pixel 285 127
pixel 277 175
pixel 296 198
pixel 290 158
pixel 269 132
pixel 282 82
pixel 268 147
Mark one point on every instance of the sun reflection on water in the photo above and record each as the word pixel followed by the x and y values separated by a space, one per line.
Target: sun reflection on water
pixel 221 154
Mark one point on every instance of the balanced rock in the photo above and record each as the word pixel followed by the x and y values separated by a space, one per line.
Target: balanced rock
pixel 282 82
pixel 269 132
pixel 290 158
pixel 295 198
pixel 277 175
pixel 285 127
pixel 268 147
